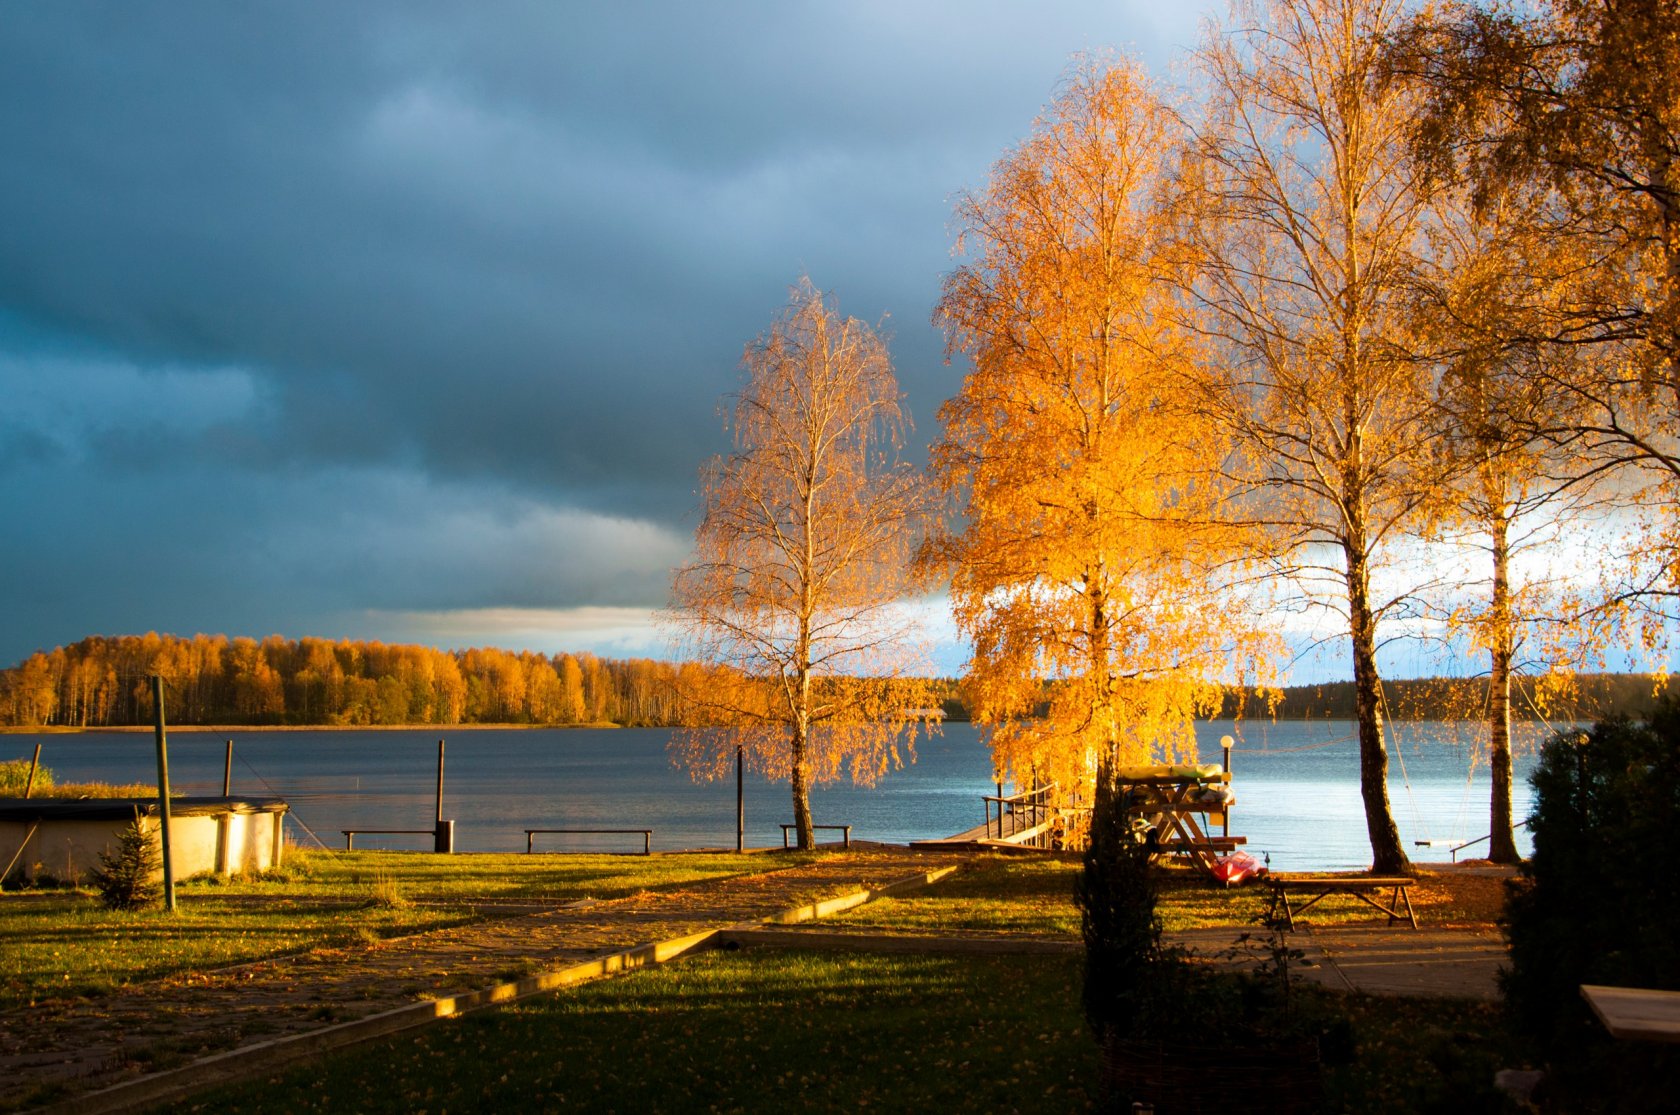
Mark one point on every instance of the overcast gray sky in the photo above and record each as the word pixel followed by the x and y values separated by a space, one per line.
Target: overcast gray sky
pixel 410 321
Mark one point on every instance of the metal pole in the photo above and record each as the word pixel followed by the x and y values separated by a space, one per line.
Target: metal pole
pixel 163 792
pixel 740 804
pixel 33 764
pixel 1225 743
pixel 227 771
pixel 440 783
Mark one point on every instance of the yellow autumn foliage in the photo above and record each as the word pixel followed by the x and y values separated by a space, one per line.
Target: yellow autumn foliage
pixel 1088 572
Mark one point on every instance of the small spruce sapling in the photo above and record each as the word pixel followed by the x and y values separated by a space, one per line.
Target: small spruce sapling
pixel 126 875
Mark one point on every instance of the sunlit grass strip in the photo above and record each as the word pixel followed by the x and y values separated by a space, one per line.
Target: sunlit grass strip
pixel 724 1031
pixel 1034 895
pixel 55 944
pixel 280 1052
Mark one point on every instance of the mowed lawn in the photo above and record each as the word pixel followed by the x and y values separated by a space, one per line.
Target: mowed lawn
pixel 758 1031
pixel 777 1031
pixel 57 943
pixel 754 1030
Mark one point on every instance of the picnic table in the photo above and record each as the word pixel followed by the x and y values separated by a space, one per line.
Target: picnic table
pixel 1176 806
pixel 1635 1013
pixel 1366 888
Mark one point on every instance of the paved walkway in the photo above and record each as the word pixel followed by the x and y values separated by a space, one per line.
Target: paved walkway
pixel 81 1045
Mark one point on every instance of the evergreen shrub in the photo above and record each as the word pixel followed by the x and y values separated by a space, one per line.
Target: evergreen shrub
pixel 126 877
pixel 1597 902
pixel 1125 962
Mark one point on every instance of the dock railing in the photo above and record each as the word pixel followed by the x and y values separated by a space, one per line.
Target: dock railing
pixel 1025 815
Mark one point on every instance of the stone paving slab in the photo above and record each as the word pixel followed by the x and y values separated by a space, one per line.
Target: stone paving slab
pixel 84 1044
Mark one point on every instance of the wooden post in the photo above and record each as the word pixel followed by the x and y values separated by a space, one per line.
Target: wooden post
pixel 740 804
pixel 227 770
pixel 34 763
pixel 163 792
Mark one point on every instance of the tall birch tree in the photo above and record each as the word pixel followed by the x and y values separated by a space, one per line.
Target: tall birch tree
pixel 1509 493
pixel 802 558
pixel 1085 571
pixel 1309 215
pixel 1576 102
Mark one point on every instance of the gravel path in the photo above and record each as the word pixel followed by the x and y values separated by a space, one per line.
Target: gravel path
pixel 56 1049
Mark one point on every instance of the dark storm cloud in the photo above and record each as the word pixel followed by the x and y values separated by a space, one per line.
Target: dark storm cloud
pixel 510 249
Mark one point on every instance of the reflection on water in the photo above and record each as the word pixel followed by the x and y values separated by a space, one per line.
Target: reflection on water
pixel 1296 783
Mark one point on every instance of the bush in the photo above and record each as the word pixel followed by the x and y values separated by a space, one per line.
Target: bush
pixel 1595 903
pixel 14 776
pixel 126 875
pixel 1116 895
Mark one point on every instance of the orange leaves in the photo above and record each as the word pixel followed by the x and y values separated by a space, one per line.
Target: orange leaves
pixel 1090 552
pixel 801 562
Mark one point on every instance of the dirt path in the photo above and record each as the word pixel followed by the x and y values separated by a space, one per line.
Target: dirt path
pixel 56 1049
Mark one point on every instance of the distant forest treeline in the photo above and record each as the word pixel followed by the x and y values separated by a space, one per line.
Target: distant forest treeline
pixel 211 679
pixel 1585 697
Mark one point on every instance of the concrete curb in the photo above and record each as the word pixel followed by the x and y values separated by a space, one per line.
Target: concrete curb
pixel 245 1061
pixel 895 943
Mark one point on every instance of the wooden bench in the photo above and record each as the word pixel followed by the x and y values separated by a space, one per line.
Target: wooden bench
pixel 646 834
pixel 1398 906
pixel 1636 1013
pixel 350 834
pixel 844 830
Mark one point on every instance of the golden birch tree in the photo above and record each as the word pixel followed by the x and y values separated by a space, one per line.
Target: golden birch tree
pixel 1084 571
pixel 1509 493
pixel 802 558
pixel 1575 102
pixel 1308 219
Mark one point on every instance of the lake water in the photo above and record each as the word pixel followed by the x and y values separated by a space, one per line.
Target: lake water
pixel 1297 786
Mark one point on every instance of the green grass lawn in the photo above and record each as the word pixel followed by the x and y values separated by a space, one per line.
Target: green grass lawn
pixel 774 1031
pixel 55 943
pixel 755 1031
pixel 1034 895
pixel 1004 894
pixel 992 894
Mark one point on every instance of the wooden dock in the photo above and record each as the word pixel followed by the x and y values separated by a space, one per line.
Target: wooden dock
pixel 1021 822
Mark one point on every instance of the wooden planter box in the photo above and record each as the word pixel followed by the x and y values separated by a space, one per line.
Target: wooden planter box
pixel 1183 1078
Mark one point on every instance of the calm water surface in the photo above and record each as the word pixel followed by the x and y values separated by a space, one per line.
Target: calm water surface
pixel 1297 786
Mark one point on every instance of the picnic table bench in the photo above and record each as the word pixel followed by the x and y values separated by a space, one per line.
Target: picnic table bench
pixel 844 830
pixel 1366 888
pixel 646 835
pixel 351 834
pixel 1180 808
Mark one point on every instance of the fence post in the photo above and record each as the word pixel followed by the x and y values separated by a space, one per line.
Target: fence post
pixel 163 793
pixel 443 836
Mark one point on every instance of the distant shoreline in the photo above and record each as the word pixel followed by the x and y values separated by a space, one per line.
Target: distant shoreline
pixel 234 729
